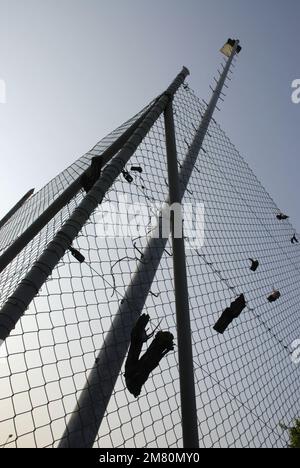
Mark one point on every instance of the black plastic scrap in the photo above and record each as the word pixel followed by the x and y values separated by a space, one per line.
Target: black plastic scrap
pixel 230 314
pixel 294 239
pixel 92 174
pixel 77 255
pixel 254 264
pixel 138 370
pixel 274 296
pixel 137 169
pixel 127 176
pixel 232 42
pixel 282 217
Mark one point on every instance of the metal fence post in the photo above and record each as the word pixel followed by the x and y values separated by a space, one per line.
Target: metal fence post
pixel 184 334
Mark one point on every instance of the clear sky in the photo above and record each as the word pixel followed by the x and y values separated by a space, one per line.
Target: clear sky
pixel 75 69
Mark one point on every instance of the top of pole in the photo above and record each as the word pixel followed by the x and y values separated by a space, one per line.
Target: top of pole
pixel 229 46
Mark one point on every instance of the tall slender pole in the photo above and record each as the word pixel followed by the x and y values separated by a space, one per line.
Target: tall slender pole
pixel 184 334
pixel 94 399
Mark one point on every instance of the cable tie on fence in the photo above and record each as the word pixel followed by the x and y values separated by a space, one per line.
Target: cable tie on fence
pixel 294 239
pixel 282 217
pixel 254 264
pixel 274 296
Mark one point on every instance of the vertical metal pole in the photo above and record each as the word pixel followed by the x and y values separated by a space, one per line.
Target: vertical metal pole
pixel 94 400
pixel 184 333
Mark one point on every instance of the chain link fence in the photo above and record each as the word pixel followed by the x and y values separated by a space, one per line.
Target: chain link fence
pixel 246 382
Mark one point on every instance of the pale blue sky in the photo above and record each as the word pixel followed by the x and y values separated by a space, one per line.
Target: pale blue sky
pixel 75 69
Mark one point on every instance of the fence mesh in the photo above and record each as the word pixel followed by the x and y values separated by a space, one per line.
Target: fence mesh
pixel 246 382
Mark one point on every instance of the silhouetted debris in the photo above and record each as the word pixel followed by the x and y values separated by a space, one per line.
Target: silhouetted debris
pixel 294 240
pixel 127 177
pixel 254 264
pixel 92 174
pixel 232 42
pixel 228 48
pixel 138 370
pixel 282 217
pixel 77 255
pixel 230 314
pixel 274 296
pixel 137 169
